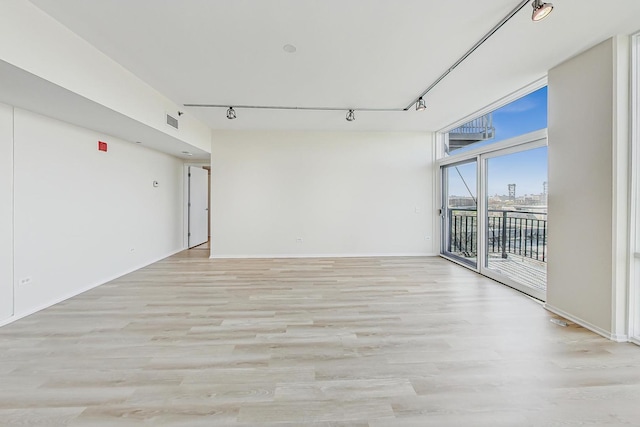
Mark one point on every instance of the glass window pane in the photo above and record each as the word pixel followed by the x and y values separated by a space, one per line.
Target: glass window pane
pixel 524 115
pixel 460 213
pixel 517 229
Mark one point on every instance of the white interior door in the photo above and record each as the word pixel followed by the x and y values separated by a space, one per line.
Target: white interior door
pixel 198 209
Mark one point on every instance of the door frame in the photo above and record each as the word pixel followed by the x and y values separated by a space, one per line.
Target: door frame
pixel 197 177
pixel 484 224
pixel 517 144
pixel 634 205
pixel 185 200
pixel 443 216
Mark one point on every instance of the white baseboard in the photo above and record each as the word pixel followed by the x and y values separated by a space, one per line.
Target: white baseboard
pixel 635 340
pixel 426 254
pixel 593 328
pixel 80 291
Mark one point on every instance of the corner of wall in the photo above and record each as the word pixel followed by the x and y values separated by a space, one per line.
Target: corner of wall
pixel 580 135
pixel 622 258
pixel 589 130
pixel 6 212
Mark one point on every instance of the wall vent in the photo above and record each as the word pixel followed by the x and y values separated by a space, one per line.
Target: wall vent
pixel 172 121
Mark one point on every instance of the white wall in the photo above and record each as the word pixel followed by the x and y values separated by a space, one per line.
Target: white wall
pixel 588 151
pixel 83 217
pixel 342 193
pixel 6 211
pixel 33 41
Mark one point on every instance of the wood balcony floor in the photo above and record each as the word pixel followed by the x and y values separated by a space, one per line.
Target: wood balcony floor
pixel 527 271
pixel 190 341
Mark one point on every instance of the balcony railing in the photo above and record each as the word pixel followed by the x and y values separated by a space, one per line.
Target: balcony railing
pixel 509 232
pixel 480 126
pixel 476 130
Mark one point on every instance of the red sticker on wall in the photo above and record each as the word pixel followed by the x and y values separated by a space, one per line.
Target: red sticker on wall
pixel 102 146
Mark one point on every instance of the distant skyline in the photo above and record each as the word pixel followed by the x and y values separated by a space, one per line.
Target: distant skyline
pixel 528 170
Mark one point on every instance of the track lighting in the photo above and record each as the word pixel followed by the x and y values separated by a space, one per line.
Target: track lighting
pixel 540 10
pixel 351 115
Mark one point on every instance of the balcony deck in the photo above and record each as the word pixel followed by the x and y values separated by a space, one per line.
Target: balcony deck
pixel 524 270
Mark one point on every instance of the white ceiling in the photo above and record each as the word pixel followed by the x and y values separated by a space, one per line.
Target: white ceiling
pixel 350 54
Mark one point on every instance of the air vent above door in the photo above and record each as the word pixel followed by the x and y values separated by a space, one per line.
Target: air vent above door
pixel 172 121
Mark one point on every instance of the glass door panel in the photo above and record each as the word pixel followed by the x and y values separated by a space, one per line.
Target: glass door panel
pixel 460 212
pixel 516 220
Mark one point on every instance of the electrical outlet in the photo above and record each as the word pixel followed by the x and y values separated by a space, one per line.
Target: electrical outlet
pixel 26 281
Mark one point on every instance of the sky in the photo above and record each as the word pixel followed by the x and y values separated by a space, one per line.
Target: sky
pixel 528 170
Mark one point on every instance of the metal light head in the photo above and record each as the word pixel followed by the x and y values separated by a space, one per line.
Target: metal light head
pixel 351 115
pixel 540 10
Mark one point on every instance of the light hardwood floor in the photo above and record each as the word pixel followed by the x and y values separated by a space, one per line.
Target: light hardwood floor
pixel 374 342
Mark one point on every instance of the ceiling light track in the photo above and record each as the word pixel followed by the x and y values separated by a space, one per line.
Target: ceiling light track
pixel 276 107
pixel 540 11
pixel 479 43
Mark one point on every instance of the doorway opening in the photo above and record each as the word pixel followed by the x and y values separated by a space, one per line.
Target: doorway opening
pixel 197 206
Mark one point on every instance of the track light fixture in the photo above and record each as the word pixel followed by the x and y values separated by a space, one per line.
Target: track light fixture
pixel 351 115
pixel 540 10
pixel 421 105
pixel 231 113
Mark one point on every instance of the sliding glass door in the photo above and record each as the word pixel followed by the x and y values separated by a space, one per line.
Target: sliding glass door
pixel 494 212
pixel 459 212
pixel 515 218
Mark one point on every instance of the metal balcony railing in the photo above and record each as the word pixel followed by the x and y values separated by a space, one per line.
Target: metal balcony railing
pixel 509 232
pixel 481 125
pixel 479 129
